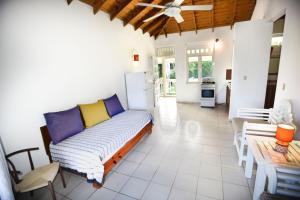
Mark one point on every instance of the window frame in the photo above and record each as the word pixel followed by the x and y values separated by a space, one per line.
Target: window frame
pixel 199 55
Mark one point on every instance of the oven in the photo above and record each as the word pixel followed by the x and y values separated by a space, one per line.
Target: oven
pixel 208 94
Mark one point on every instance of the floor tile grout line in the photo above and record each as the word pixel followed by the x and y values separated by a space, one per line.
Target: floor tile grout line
pixel 66 195
pixel 134 172
pixel 149 182
pixel 95 190
pixel 173 183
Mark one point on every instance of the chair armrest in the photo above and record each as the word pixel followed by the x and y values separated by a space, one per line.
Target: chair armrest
pixel 28 150
pixel 21 151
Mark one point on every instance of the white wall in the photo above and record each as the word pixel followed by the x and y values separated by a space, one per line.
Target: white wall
pixel 252 43
pixel 289 69
pixel 191 92
pixel 54 56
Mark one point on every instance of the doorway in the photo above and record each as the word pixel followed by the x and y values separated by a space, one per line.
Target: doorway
pixel 275 53
pixel 167 76
pixel 170 77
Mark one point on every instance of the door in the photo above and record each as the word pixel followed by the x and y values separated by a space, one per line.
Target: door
pixel 156 81
pixel 251 56
pixel 170 77
pixel 275 52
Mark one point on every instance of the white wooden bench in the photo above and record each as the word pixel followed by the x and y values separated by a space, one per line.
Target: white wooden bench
pixel 251 116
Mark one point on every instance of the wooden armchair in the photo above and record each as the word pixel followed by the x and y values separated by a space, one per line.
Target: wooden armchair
pixel 35 179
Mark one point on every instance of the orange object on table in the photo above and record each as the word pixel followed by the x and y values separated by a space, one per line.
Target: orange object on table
pixel 284 134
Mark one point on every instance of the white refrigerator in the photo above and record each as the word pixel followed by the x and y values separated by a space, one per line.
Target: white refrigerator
pixel 139 89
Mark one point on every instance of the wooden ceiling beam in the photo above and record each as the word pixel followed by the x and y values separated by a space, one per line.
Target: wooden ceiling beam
pixel 158 28
pixel 152 12
pixel 140 22
pixel 195 20
pixel 234 13
pixel 164 26
pixel 118 8
pixel 135 12
pixel 213 16
pixel 154 31
pixel 97 4
pixel 224 13
pixel 178 27
pixel 153 23
pixel 165 32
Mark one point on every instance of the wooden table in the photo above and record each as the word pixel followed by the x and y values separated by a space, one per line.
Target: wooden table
pixel 261 149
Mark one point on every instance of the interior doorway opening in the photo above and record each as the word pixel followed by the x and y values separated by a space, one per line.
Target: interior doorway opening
pixel 277 37
pixel 166 71
pixel 168 78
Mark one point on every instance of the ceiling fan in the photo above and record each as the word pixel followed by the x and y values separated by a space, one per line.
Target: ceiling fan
pixel 173 9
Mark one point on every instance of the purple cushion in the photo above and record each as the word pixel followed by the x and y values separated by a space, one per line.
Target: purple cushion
pixel 64 124
pixel 113 105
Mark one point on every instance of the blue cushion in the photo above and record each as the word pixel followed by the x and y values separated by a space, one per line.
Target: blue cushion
pixel 64 124
pixel 113 105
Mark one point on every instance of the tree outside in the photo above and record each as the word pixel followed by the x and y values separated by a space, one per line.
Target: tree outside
pixel 207 68
pixel 193 70
pixel 172 71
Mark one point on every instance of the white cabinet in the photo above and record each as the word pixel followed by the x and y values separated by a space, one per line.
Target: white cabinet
pixel 139 88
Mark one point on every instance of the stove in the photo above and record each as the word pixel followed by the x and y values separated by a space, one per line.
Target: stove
pixel 208 97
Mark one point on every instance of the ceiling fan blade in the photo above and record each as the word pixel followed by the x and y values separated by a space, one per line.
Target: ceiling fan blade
pixel 177 2
pixel 178 18
pixel 197 7
pixel 154 16
pixel 150 5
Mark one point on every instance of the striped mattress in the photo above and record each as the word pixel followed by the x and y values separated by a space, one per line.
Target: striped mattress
pixel 86 152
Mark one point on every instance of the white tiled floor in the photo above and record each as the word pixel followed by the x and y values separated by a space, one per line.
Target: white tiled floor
pixel 189 155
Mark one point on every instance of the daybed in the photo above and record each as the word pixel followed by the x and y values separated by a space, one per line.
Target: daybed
pixel 94 151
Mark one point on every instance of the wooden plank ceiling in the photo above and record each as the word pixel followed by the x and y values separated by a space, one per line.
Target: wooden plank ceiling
pixel 224 13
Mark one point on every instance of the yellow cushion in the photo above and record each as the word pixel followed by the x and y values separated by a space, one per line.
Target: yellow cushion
pixel 93 113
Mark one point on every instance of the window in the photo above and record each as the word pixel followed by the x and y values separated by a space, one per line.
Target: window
pixel 207 68
pixel 160 70
pixel 199 66
pixel 193 69
pixel 172 70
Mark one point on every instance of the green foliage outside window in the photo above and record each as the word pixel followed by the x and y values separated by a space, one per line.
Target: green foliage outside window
pixel 172 71
pixel 160 72
pixel 207 68
pixel 193 70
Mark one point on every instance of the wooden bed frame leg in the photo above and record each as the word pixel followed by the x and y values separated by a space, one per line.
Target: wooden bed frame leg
pixel 62 177
pixel 97 185
pixel 150 130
